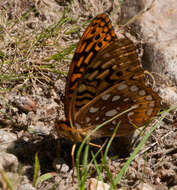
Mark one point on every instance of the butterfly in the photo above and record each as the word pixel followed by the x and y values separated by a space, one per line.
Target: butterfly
pixel 105 78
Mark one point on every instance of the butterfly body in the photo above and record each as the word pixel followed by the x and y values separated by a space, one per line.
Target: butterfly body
pixel 105 79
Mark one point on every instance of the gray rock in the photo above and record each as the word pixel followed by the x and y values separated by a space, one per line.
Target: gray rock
pixel 159 30
pixel 14 180
pixel 7 140
pixel 8 162
pixel 26 187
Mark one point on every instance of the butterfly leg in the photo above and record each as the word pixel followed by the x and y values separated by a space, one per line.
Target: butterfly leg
pixel 91 144
pixel 98 146
pixel 73 161
pixel 72 155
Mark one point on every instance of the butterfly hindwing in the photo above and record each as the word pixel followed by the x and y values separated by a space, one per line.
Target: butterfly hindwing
pixel 119 84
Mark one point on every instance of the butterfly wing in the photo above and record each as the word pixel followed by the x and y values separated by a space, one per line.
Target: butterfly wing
pixel 98 35
pixel 105 78
pixel 113 83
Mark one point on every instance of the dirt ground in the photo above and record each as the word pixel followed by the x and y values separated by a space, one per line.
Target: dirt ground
pixel 37 42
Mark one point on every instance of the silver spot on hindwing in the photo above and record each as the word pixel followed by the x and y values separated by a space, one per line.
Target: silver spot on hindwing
pixel 114 122
pixel 93 110
pixel 141 92
pixel 111 113
pixel 87 119
pixel 148 97
pixel 130 113
pixel 97 118
pixel 122 86
pixel 152 104
pixel 126 99
pixel 105 97
pixel 115 98
pixel 102 108
pixel 133 88
pixel 118 108
pixel 149 112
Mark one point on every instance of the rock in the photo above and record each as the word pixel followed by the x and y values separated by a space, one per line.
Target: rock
pixel 157 25
pixel 173 188
pixel 8 162
pixel 169 95
pixel 26 187
pixel 146 186
pixel 6 140
pixel 13 179
pixel 39 128
pixel 94 184
pixel 24 103
pixel 60 166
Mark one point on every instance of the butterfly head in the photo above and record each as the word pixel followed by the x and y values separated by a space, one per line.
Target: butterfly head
pixel 64 130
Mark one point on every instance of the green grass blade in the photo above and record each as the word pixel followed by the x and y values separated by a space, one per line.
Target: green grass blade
pixel 97 167
pixel 44 178
pixel 36 169
pixel 6 179
pixel 60 55
pixel 110 141
pixel 84 171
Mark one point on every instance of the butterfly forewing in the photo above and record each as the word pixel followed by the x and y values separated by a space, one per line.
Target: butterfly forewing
pixel 98 35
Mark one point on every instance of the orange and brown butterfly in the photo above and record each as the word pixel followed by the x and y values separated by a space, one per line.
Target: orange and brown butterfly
pixel 105 78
